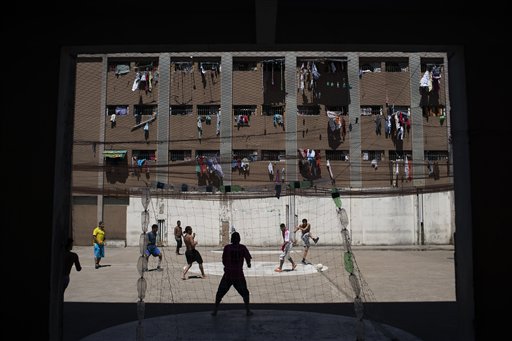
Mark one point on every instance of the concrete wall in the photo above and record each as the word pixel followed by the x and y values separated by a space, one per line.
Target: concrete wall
pixel 378 220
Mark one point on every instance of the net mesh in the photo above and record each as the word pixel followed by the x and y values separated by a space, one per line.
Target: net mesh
pixel 320 280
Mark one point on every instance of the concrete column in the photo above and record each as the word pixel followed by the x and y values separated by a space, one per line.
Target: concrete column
pixel 354 111
pixel 101 139
pixel 290 68
pixel 418 149
pixel 226 119
pixel 464 277
pixel 446 74
pixel 163 133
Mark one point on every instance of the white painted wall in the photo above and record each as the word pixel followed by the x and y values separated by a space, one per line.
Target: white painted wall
pixel 392 220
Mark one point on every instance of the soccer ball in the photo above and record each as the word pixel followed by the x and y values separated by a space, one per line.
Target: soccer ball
pixel 319 267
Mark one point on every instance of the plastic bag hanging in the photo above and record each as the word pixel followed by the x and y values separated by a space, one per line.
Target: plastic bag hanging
pixel 144 220
pixel 145 197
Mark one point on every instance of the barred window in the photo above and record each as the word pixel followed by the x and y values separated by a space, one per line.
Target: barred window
pixel 208 109
pixel 369 155
pixel 244 110
pixel 121 109
pixel 370 64
pixel 145 109
pixel 250 154
pixel 400 155
pixel 180 155
pixel 397 66
pixel 182 66
pixel 208 153
pixel 308 110
pixel 371 110
pixel 401 108
pixel 429 63
pixel 181 110
pixel 145 65
pixel 337 155
pixel 144 154
pixel 436 155
pixel 245 66
pixel 338 109
pixel 273 155
pixel 270 110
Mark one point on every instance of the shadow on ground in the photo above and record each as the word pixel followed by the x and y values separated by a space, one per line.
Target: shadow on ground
pixel 425 320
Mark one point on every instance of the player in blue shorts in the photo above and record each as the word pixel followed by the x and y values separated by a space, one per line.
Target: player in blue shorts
pixel 152 249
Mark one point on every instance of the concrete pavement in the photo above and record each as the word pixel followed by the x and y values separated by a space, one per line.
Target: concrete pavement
pixel 391 276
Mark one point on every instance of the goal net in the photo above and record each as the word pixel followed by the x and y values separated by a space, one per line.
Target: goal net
pixel 327 273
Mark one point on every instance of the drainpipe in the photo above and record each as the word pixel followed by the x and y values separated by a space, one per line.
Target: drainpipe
pixel 420 238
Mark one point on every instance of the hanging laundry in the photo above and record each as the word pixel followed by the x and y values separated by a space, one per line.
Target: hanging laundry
pixel 121 110
pixel 302 78
pixel 436 171
pixel 277 186
pixel 424 81
pixel 329 168
pixel 217 167
pixel 430 169
pixel 136 82
pixel 122 69
pixel 218 124
pixel 278 120
pixel 150 81
pixel 146 131
pixel 442 118
pixel 436 76
pixel 270 169
pixel 374 164
pixel 388 126
pixel 406 168
pixel 314 71
pixel 400 133
pixel 156 77
pixel 410 170
pixel 332 124
pixel 199 127
pixel 397 172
